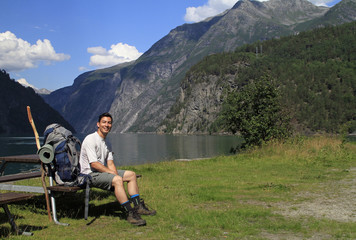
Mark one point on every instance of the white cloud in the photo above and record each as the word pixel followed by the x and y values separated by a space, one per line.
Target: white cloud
pixel 118 53
pixel 212 8
pixel 215 7
pixel 82 69
pixel 321 2
pixel 17 54
pixel 97 50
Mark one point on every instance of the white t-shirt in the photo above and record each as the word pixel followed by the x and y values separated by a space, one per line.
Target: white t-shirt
pixel 94 149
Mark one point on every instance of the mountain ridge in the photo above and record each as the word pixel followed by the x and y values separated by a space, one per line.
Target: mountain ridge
pixel 140 94
pixel 43 91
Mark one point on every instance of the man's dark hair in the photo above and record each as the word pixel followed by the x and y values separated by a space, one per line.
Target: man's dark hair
pixel 105 115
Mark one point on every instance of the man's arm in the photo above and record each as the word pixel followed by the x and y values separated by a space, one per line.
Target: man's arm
pixel 101 168
pixel 111 166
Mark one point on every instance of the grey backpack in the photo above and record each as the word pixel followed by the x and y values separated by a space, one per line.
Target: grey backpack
pixel 66 154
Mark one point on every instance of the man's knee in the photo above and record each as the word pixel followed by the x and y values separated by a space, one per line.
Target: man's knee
pixel 117 181
pixel 129 176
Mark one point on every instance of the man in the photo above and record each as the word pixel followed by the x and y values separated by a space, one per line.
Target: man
pixel 96 159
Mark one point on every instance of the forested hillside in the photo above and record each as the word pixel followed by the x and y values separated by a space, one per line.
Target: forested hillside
pixel 315 72
pixel 14 98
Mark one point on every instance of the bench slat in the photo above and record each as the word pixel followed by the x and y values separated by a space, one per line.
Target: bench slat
pixel 21 188
pixel 33 158
pixel 63 189
pixel 20 176
pixel 10 197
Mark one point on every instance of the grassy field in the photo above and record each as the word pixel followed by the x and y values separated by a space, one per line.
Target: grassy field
pixel 302 189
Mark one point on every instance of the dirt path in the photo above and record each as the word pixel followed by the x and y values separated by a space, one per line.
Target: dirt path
pixel 338 201
pixel 335 201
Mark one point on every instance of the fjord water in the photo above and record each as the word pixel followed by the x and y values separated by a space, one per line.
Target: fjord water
pixel 134 149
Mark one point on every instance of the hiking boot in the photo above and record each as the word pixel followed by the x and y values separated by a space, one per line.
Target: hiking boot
pixel 135 219
pixel 144 210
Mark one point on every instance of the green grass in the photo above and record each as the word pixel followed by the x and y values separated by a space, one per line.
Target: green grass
pixel 228 197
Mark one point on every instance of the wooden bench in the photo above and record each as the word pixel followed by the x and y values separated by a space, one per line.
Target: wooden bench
pixel 52 189
pixel 12 197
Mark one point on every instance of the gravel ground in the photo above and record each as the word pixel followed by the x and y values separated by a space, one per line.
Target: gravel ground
pixel 335 201
pixel 338 201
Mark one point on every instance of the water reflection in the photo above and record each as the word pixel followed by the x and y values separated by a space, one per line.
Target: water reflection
pixel 133 149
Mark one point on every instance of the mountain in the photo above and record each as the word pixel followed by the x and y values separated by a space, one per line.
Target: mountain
pixel 342 12
pixel 14 98
pixel 315 72
pixel 42 91
pixel 91 94
pixel 140 94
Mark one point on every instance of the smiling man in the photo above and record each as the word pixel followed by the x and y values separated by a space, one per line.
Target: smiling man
pixel 97 160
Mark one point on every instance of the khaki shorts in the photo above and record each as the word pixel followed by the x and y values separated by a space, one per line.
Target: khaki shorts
pixel 104 180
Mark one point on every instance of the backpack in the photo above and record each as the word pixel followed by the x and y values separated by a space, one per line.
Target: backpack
pixel 66 148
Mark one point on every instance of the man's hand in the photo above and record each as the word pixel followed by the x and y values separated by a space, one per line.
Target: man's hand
pixel 101 168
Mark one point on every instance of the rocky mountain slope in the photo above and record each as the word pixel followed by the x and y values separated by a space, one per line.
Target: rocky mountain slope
pixel 140 94
pixel 315 72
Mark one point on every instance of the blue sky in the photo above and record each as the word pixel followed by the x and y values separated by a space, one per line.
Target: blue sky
pixel 50 42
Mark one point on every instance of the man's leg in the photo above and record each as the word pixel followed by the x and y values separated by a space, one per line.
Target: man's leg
pixel 131 179
pixel 120 194
pixel 108 181
pixel 132 188
pixel 132 216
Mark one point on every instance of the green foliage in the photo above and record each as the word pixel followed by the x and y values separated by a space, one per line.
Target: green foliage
pixel 256 113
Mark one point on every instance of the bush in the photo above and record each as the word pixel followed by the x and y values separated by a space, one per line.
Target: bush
pixel 256 113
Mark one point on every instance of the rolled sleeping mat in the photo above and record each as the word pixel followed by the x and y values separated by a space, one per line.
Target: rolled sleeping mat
pixel 46 153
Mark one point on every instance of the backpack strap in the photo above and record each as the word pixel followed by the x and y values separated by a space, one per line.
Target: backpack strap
pixel 74 153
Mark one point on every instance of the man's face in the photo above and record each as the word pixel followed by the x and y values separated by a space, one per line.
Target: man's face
pixel 104 126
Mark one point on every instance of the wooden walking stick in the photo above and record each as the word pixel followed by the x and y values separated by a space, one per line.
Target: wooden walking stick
pixel 42 165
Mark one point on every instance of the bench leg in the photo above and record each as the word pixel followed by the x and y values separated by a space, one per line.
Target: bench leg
pixel 54 211
pixel 13 224
pixel 86 208
pixel 53 204
pixel 2 168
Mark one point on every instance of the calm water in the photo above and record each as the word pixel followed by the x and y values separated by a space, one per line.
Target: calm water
pixel 134 149
pixel 18 146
